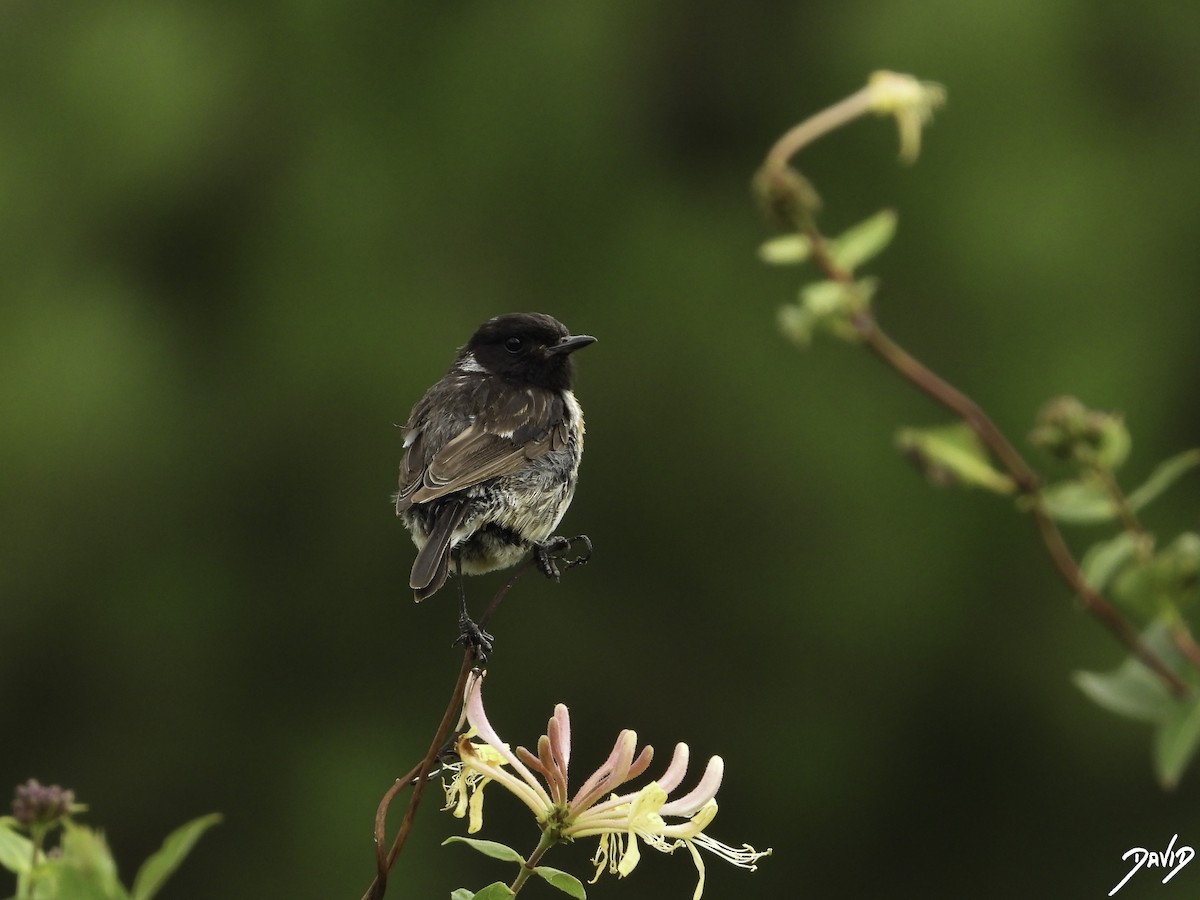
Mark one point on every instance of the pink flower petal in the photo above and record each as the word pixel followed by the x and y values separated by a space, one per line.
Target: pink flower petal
pixel 605 778
pixel 688 804
pixel 676 770
pixel 560 737
pixel 479 721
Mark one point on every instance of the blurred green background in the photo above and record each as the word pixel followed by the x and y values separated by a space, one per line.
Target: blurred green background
pixel 239 240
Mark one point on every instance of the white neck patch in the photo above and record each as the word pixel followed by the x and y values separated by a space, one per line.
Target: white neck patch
pixel 470 364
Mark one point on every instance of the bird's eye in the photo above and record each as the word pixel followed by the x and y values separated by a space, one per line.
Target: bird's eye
pixel 514 345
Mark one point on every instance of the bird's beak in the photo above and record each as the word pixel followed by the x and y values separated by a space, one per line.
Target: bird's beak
pixel 572 342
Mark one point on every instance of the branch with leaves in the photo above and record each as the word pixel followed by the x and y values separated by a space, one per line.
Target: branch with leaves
pixel 1161 681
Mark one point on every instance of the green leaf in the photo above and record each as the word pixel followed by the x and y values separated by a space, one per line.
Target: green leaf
pixel 1082 502
pixel 86 869
pixel 785 250
pixel 564 881
pixel 498 890
pixel 1136 591
pixel 834 304
pixel 162 864
pixel 16 850
pixel 1176 742
pixel 1184 565
pixel 952 455
pixel 1105 558
pixel 462 894
pixel 63 881
pixel 796 323
pixel 1167 473
pixel 1113 443
pixel 1131 690
pixel 1167 582
pixel 827 298
pixel 863 241
pixel 830 305
pixel 488 848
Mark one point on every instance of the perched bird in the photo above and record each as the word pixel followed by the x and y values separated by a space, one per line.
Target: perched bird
pixel 492 453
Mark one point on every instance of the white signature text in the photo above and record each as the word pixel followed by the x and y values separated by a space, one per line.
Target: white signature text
pixel 1173 858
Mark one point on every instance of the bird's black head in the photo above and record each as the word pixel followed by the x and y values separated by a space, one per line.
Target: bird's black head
pixel 526 348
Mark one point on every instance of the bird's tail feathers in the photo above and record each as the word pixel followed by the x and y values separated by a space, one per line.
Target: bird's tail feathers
pixel 432 565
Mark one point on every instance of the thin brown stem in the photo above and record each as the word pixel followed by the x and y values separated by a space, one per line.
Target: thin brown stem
pixel 1181 636
pixel 789 196
pixel 921 376
pixel 503 592
pixel 418 781
pixel 1128 518
pixel 381 812
pixel 1098 606
pixel 827 120
pixel 418 776
pixel 938 389
pixel 925 380
pixel 941 391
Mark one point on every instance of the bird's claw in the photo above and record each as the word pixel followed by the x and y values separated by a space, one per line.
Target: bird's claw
pixel 549 553
pixel 474 638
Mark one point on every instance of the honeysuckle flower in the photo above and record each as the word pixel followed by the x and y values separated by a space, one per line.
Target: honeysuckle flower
pixel 595 809
pixel 464 793
pixel 910 101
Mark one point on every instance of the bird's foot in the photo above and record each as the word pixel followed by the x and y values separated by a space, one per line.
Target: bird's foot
pixel 550 552
pixel 474 639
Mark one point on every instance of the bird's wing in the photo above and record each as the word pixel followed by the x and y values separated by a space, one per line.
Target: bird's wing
pixel 501 439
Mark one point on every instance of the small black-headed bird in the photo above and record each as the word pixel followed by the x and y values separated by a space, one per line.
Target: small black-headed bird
pixel 492 453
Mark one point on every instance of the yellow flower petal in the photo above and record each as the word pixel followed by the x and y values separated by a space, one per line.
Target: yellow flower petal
pixel 476 808
pixel 629 859
pixel 699 861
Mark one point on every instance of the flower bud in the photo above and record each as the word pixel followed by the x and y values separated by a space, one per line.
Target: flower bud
pixel 36 804
pixel 786 196
pixel 1069 430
